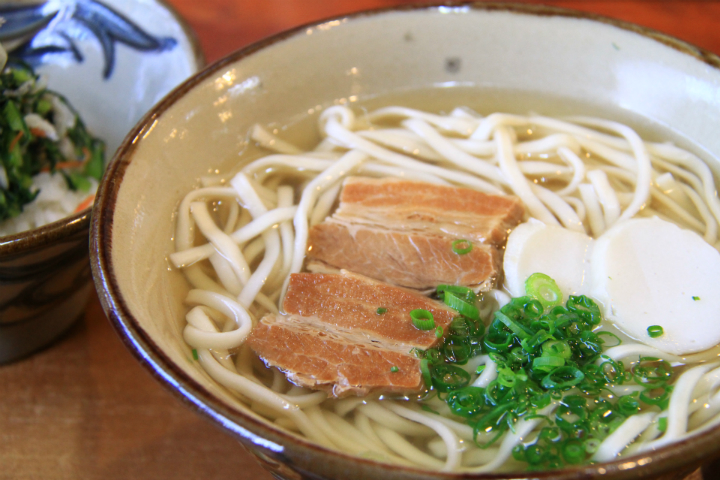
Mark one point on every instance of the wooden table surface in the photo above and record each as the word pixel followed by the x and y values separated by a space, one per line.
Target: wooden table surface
pixel 84 408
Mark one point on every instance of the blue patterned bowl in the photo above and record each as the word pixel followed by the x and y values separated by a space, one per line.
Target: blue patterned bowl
pixel 112 60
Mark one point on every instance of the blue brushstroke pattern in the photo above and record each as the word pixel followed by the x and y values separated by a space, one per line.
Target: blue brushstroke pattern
pixel 53 35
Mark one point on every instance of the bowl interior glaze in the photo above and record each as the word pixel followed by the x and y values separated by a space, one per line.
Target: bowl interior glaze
pixel 505 52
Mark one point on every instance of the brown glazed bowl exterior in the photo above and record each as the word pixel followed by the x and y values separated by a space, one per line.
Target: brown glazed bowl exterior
pixel 202 126
pixel 45 277
pixel 44 284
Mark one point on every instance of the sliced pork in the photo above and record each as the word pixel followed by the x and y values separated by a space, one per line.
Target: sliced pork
pixel 348 334
pixel 312 357
pixel 402 232
pixel 412 260
pixel 411 206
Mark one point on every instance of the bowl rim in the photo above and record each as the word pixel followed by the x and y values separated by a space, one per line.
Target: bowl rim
pixel 79 221
pixel 686 453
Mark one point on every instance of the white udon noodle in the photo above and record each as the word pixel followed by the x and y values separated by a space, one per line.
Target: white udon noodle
pixel 585 174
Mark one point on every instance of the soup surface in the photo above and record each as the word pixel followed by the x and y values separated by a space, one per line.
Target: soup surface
pixel 552 359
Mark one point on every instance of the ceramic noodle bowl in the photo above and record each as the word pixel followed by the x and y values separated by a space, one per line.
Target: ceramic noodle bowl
pixel 44 272
pixel 488 56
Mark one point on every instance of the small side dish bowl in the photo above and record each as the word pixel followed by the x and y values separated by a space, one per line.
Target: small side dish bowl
pixel 552 58
pixel 112 61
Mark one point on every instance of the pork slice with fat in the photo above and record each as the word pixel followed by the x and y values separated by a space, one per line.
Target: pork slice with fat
pixel 456 212
pixel 312 357
pixel 410 260
pixel 348 304
pixel 349 334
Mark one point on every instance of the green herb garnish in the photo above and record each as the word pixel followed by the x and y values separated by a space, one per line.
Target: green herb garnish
pixel 461 247
pixel 544 289
pixel 543 351
pixel 655 331
pixel 36 135
pixel 422 319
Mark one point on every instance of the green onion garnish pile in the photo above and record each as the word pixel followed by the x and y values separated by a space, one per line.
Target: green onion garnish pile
pixel 545 351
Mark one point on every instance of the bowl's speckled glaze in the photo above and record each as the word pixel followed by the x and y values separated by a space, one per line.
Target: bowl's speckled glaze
pixel 45 272
pixel 202 126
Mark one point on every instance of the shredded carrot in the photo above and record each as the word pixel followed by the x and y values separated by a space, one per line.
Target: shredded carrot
pixel 64 166
pixel 70 164
pixel 15 140
pixel 38 132
pixel 85 203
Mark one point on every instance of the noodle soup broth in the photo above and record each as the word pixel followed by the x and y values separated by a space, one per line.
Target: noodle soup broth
pixel 149 300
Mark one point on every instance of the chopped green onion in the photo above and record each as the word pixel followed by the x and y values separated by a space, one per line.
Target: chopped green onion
pixel 557 348
pixel 695 298
pixel 542 354
pixel 461 306
pixel 659 396
pixel 422 319
pixel 512 325
pixel 628 405
pixel 433 356
pixel 461 327
pixel 652 371
pixel 563 377
pixel 610 334
pixel 497 344
pixel 457 246
pixel 585 307
pixel 456 350
pixel 662 424
pixel 530 345
pixel 508 378
pixel 448 377
pixel 194 354
pixel 381 310
pixel 573 451
pixel 533 309
pixel 425 370
pixel 548 363
pixel 438 332
pixel 544 289
pixel 394 369
pixel 591 445
pixel 465 293
pixel 655 331
pixel 467 401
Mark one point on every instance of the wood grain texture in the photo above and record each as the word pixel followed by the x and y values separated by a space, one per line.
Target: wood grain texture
pixel 224 26
pixel 85 409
